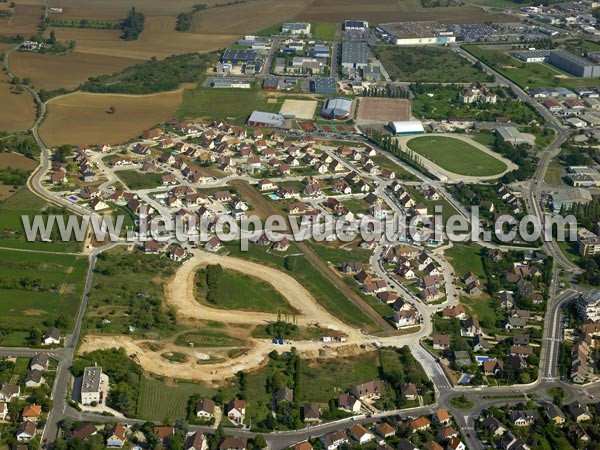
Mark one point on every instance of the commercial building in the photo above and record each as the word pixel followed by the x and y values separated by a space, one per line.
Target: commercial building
pixel 91 390
pixel 231 83
pixel 588 305
pixel 337 108
pixel 406 127
pixel 568 197
pixel 243 61
pixel 582 176
pixel 355 54
pixel 356 25
pixel 573 64
pixel 513 136
pixel 588 243
pixel 265 119
pixel 296 28
pixel 419 33
pixel 324 85
pixel 532 56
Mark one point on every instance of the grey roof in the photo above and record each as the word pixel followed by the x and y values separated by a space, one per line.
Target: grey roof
pixel 324 85
pixel 355 52
pixel 91 379
pixel 35 376
pixel 236 56
pixel 41 359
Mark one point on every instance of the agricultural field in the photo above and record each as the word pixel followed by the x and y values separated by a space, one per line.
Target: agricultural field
pixel 228 289
pixel 51 72
pixel 18 109
pixel 159 39
pixel 385 11
pixel 427 64
pixel 83 118
pixel 160 399
pixel 243 18
pixel 12 234
pixel 25 19
pixel 16 161
pixel 456 156
pixel 38 291
pixel 528 75
pixel 116 9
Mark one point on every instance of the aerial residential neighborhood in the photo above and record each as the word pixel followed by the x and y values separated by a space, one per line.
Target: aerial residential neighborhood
pixel 316 224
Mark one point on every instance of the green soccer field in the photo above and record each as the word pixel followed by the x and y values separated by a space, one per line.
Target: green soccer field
pixel 456 156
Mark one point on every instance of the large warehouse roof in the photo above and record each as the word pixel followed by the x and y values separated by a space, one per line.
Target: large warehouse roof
pixel 406 126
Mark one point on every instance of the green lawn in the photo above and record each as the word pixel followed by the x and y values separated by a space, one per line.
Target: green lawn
pixel 466 258
pixel 236 291
pixel 456 156
pixel 427 64
pixel 356 205
pixel 234 105
pixel 553 174
pixel 385 163
pixel 136 180
pixel 529 74
pixel 324 31
pixel 336 255
pixel 484 310
pixel 12 234
pixel 207 337
pixel 36 289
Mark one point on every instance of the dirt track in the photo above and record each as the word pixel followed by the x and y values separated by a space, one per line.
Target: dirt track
pixel 180 293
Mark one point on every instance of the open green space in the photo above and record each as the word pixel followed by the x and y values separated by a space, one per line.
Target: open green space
pixel 553 174
pixel 207 337
pixel 427 64
pixel 38 291
pixel 466 258
pixel 136 180
pixel 324 31
pixel 337 255
pixel 528 75
pixel 127 292
pixel 26 203
pixel 229 289
pixel 234 105
pixel 386 163
pixel 440 102
pixel 307 275
pixel 456 156
pixel 483 308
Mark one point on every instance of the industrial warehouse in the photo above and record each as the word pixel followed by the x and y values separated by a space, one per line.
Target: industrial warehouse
pixel 405 127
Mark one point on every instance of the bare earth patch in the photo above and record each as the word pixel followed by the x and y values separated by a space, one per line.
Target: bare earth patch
pixel 299 109
pixel 383 110
pixel 16 161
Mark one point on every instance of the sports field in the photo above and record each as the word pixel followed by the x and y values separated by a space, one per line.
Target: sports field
pixel 456 156
pixel 299 109
pixel 382 110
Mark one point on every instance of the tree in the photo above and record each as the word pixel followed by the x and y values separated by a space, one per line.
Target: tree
pixel 260 441
pixel 112 110
pixel 52 40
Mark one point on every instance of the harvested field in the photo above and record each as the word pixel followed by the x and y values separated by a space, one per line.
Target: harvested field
pixel 380 11
pixel 6 192
pixel 82 118
pixel 158 39
pixel 246 18
pixel 25 19
pixel 18 111
pixel 117 9
pixel 16 161
pixel 54 71
pixel 382 110
pixel 299 109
